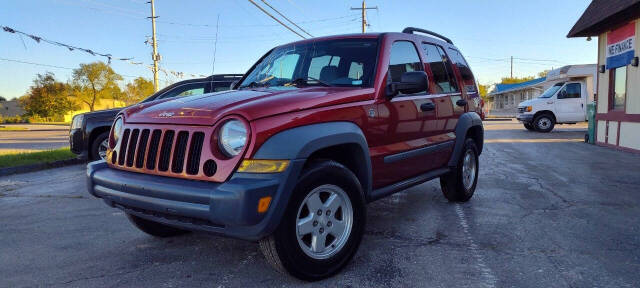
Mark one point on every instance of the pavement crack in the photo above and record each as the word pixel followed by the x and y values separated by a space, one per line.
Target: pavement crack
pixel 109 274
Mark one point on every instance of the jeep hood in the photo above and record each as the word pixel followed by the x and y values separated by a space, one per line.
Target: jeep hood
pixel 207 109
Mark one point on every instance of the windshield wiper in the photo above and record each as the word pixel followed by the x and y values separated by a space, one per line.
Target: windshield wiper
pixel 305 81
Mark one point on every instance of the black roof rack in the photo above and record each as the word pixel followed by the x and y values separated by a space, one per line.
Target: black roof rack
pixel 410 30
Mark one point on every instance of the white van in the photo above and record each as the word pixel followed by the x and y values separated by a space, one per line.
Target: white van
pixel 565 102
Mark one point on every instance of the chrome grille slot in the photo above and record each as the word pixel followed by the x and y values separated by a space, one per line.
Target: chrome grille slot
pixel 123 147
pixel 142 148
pixel 131 151
pixel 165 150
pixel 195 149
pixel 153 149
pixel 179 151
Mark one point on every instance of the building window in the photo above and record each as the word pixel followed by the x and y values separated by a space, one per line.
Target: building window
pixel 618 88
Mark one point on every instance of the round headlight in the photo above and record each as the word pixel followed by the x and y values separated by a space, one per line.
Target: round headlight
pixel 117 131
pixel 232 137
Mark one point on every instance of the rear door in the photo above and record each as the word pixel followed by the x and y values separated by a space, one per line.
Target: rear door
pixel 445 86
pixel 570 103
pixel 410 123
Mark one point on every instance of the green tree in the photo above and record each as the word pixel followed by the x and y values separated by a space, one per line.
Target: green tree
pixel 483 92
pixel 2 99
pixel 94 81
pixel 137 90
pixel 47 97
pixel 543 73
pixel 515 80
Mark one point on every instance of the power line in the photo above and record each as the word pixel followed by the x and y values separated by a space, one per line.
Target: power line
pixel 285 17
pixel 276 19
pixel 38 39
pixel 51 66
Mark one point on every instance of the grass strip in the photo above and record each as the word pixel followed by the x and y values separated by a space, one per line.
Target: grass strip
pixel 27 158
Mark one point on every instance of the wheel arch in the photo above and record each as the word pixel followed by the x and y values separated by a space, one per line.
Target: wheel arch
pixel 541 112
pixel 342 142
pixel 469 126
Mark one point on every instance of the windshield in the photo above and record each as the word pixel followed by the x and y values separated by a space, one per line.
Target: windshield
pixel 551 91
pixel 341 63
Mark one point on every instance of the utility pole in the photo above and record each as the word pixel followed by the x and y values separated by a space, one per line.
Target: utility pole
pixel 215 47
pixel 511 66
pixel 364 14
pixel 154 43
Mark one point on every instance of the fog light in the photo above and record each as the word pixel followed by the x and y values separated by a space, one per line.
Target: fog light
pixel 263 166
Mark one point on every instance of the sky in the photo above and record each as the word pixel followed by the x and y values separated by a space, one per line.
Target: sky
pixel 487 32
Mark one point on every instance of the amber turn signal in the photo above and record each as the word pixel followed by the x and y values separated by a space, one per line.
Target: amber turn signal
pixel 263 204
pixel 529 108
pixel 263 166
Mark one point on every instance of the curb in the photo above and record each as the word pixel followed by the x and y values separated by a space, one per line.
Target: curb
pixel 498 119
pixel 39 166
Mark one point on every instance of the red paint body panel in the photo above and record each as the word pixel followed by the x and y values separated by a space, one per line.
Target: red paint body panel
pixel 390 126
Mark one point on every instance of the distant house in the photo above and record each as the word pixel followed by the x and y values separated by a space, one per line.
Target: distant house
pixel 617 25
pixel 504 99
pixel 10 109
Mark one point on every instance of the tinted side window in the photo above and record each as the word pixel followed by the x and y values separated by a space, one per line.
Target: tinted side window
pixel 463 67
pixel 185 90
pixel 443 77
pixel 404 58
pixel 572 90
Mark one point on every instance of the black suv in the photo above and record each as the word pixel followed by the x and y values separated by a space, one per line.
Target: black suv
pixel 89 132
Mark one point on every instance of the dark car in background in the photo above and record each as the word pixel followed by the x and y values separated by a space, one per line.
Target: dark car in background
pixel 89 132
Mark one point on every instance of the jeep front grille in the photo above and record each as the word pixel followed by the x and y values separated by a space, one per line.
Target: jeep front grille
pixel 136 148
pixel 520 109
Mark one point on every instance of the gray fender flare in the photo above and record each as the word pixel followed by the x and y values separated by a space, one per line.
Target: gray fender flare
pixel 301 142
pixel 465 122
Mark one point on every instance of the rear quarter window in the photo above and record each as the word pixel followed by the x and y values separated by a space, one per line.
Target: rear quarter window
pixel 465 72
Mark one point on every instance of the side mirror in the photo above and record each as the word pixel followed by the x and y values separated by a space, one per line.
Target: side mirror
pixel 410 82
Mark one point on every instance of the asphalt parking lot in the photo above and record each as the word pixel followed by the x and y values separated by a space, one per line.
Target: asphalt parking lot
pixel 549 211
pixel 36 137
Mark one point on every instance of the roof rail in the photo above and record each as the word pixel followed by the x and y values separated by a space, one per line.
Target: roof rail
pixel 410 30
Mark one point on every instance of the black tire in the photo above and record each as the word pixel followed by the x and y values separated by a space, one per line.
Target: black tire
pixel 544 123
pixel 154 228
pixel 452 183
pixel 282 249
pixel 529 127
pixel 95 146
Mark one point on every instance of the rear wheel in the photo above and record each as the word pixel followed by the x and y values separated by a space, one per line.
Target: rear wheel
pixel 154 228
pixel 460 184
pixel 529 126
pixel 544 123
pixel 322 226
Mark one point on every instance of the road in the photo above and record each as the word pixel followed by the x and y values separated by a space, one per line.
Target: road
pixel 549 211
pixel 36 137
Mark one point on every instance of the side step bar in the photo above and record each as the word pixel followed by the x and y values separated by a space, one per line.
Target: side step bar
pixel 397 187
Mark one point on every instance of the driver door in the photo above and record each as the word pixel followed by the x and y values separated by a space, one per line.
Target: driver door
pixel 569 103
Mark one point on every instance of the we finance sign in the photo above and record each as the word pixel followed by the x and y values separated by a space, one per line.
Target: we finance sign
pixel 620 44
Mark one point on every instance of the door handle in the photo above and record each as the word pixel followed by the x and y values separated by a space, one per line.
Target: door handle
pixel 461 102
pixel 429 106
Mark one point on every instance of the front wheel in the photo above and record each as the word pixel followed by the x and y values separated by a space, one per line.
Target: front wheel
pixel 544 123
pixel 99 147
pixel 322 226
pixel 460 184
pixel 529 127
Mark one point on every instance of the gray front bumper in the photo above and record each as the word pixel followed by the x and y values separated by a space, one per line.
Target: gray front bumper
pixel 228 208
pixel 526 118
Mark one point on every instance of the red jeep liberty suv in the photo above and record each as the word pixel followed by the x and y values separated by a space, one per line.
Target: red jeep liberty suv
pixel 290 157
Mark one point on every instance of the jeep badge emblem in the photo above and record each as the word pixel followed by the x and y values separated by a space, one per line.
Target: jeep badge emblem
pixel 372 113
pixel 165 114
